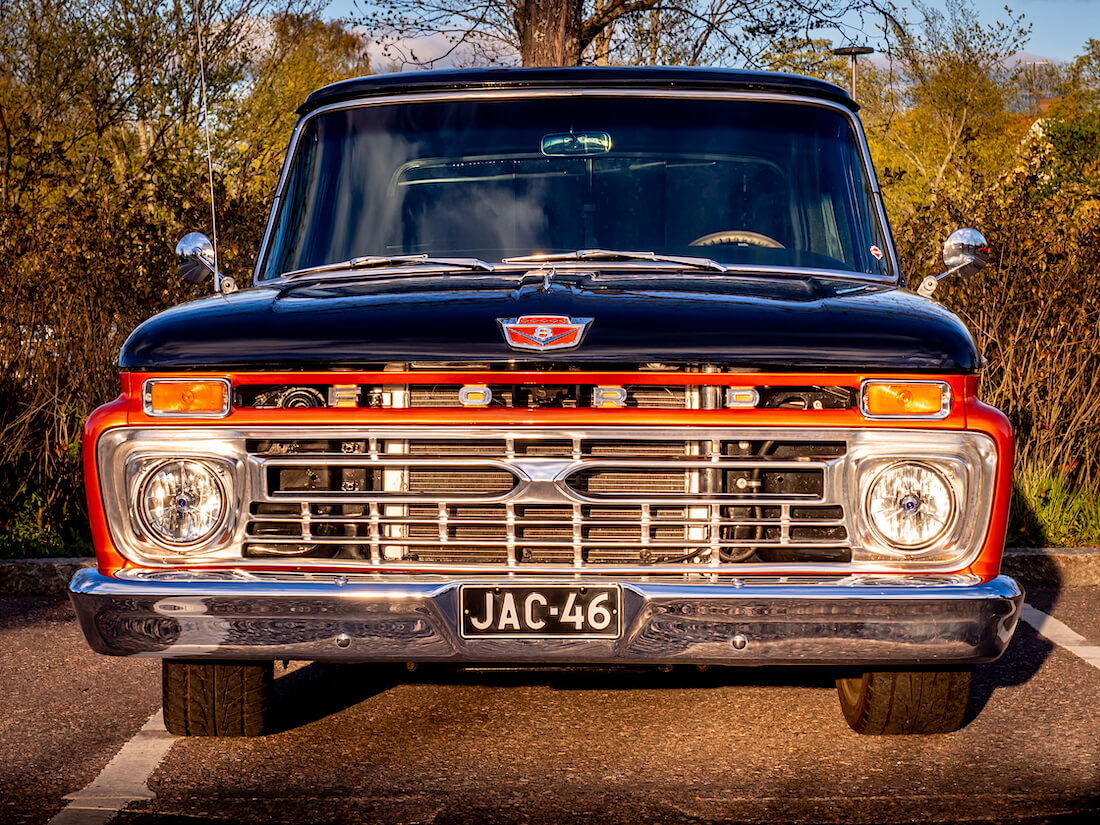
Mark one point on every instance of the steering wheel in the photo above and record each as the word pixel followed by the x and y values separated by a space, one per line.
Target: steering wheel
pixel 742 236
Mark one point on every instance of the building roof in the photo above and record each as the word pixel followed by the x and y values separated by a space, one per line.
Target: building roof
pixel 625 77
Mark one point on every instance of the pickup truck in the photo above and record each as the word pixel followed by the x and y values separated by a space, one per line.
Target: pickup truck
pixel 602 366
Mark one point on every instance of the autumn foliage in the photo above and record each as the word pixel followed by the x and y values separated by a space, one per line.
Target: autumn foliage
pixel 102 170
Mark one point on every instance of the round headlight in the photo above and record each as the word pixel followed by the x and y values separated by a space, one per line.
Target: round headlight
pixel 910 505
pixel 182 502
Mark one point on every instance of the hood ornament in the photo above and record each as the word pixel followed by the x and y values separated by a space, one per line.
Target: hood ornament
pixel 544 332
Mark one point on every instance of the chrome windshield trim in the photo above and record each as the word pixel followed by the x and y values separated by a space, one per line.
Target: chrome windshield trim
pixel 641 269
pixel 501 94
pixel 598 255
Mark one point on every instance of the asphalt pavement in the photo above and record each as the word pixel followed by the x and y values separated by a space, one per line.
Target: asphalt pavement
pixel 369 744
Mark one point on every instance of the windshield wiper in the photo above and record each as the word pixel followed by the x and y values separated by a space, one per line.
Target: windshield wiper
pixel 379 262
pixel 620 255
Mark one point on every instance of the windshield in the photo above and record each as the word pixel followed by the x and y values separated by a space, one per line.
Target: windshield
pixel 742 182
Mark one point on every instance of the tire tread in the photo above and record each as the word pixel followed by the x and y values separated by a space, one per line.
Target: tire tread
pixel 216 698
pixel 887 702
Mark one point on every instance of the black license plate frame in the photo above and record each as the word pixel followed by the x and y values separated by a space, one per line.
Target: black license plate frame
pixel 540 611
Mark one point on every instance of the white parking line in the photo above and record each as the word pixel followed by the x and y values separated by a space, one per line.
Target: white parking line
pixel 1061 635
pixel 123 780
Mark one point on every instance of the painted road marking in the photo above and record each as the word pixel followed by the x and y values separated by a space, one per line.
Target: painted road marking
pixel 1061 635
pixel 123 780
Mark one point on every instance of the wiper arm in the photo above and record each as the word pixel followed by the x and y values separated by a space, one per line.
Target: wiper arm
pixel 620 255
pixel 378 262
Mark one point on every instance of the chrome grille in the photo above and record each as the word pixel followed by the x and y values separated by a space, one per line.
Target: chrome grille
pixel 549 498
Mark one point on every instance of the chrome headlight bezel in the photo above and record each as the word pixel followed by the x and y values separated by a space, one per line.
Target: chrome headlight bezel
pixel 950 486
pixel 965 461
pixel 126 461
pixel 146 470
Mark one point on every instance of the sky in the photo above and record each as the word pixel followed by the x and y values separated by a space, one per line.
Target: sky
pixel 1059 27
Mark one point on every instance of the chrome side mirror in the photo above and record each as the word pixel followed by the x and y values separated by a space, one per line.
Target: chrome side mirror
pixel 196 262
pixel 195 257
pixel 964 253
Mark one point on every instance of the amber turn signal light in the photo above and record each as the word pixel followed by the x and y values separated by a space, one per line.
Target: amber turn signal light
pixel 906 399
pixel 174 397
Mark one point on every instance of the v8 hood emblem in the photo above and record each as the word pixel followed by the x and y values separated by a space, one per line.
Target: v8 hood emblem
pixel 544 332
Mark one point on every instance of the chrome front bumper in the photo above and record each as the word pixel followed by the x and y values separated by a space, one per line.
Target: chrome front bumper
pixel 858 620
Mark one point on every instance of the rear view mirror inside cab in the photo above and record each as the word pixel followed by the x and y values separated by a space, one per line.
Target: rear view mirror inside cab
pixel 576 143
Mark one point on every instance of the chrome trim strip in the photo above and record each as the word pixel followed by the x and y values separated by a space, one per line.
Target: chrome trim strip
pixel 590 567
pixel 499 94
pixel 639 268
pixel 945 400
pixel 862 620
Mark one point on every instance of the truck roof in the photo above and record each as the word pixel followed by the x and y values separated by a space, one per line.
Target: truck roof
pixel 613 77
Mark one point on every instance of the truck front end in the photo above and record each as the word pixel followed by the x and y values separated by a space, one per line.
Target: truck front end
pixel 460 417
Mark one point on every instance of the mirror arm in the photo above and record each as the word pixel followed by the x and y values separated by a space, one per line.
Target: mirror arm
pixel 224 284
pixel 929 284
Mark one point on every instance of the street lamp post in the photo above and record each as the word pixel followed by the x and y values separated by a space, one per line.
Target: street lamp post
pixel 1034 73
pixel 853 52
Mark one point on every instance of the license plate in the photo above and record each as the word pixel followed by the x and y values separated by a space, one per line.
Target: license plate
pixel 542 612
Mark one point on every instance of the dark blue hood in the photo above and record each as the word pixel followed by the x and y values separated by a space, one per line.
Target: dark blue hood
pixel 784 325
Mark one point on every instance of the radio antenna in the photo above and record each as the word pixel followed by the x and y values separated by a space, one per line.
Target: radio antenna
pixel 209 154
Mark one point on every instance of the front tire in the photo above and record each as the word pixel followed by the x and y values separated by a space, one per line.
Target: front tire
pixel 216 698
pixel 906 702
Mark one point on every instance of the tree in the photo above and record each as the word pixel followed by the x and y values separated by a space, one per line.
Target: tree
pixel 574 32
pixel 300 53
pixel 1032 187
pixel 1078 84
pixel 102 168
pixel 949 81
pixel 808 57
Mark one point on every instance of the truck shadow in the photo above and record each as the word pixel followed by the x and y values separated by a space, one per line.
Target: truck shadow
pixel 316 690
pixel 310 692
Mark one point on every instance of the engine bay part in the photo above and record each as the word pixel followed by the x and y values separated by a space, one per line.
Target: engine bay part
pixel 287 397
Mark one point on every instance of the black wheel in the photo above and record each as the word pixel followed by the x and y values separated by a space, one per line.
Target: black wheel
pixel 905 701
pixel 216 698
